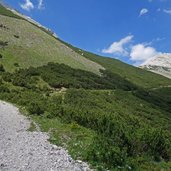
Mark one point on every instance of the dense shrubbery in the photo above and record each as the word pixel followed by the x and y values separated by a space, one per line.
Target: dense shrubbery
pixel 3 89
pixel 60 75
pixel 122 133
pixel 130 131
pixel 155 97
pixel 16 65
pixel 34 108
pixel 122 136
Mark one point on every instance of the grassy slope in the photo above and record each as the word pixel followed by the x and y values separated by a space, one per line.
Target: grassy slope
pixel 138 76
pixel 34 47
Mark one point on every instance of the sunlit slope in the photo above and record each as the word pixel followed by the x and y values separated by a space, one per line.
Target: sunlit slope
pixel 28 45
pixel 133 74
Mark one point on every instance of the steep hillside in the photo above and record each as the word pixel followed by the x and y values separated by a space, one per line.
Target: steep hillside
pixel 160 65
pixel 136 75
pixel 26 45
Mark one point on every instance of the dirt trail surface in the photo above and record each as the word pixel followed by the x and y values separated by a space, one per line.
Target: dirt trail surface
pixel 21 150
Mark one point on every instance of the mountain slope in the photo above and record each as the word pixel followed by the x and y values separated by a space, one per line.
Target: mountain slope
pixel 133 74
pixel 160 65
pixel 40 48
pixel 29 46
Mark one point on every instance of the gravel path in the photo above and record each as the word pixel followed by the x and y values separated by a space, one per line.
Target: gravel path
pixel 21 150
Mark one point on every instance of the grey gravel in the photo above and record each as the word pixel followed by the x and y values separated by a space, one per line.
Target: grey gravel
pixel 21 150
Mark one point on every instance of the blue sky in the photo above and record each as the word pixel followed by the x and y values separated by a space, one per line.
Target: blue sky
pixel 133 31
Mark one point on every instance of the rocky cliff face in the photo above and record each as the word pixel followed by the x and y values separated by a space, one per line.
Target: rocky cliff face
pixel 160 65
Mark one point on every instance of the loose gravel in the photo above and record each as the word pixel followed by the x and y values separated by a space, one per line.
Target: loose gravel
pixel 21 150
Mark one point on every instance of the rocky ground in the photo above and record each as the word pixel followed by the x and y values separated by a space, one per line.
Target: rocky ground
pixel 21 150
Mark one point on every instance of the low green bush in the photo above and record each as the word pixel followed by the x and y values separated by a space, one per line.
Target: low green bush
pixel 34 108
pixel 2 69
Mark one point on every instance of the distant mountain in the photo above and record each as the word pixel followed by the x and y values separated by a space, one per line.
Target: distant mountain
pixel 160 65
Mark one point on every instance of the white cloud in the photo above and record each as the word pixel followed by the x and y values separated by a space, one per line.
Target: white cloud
pixel 137 53
pixel 143 11
pixel 140 53
pixel 40 4
pixel 167 11
pixel 28 5
pixel 118 47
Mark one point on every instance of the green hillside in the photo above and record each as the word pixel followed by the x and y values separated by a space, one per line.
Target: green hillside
pixel 136 75
pixel 29 46
pixel 105 112
pixel 104 120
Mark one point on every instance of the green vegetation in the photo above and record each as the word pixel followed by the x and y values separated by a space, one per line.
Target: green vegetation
pixel 60 75
pixel 105 112
pixel 135 75
pixel 16 36
pixel 3 44
pixel 97 120
pixel 2 68
pixel 28 45
pixel 32 127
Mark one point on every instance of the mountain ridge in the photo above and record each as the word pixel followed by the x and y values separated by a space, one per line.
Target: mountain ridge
pixel 160 65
